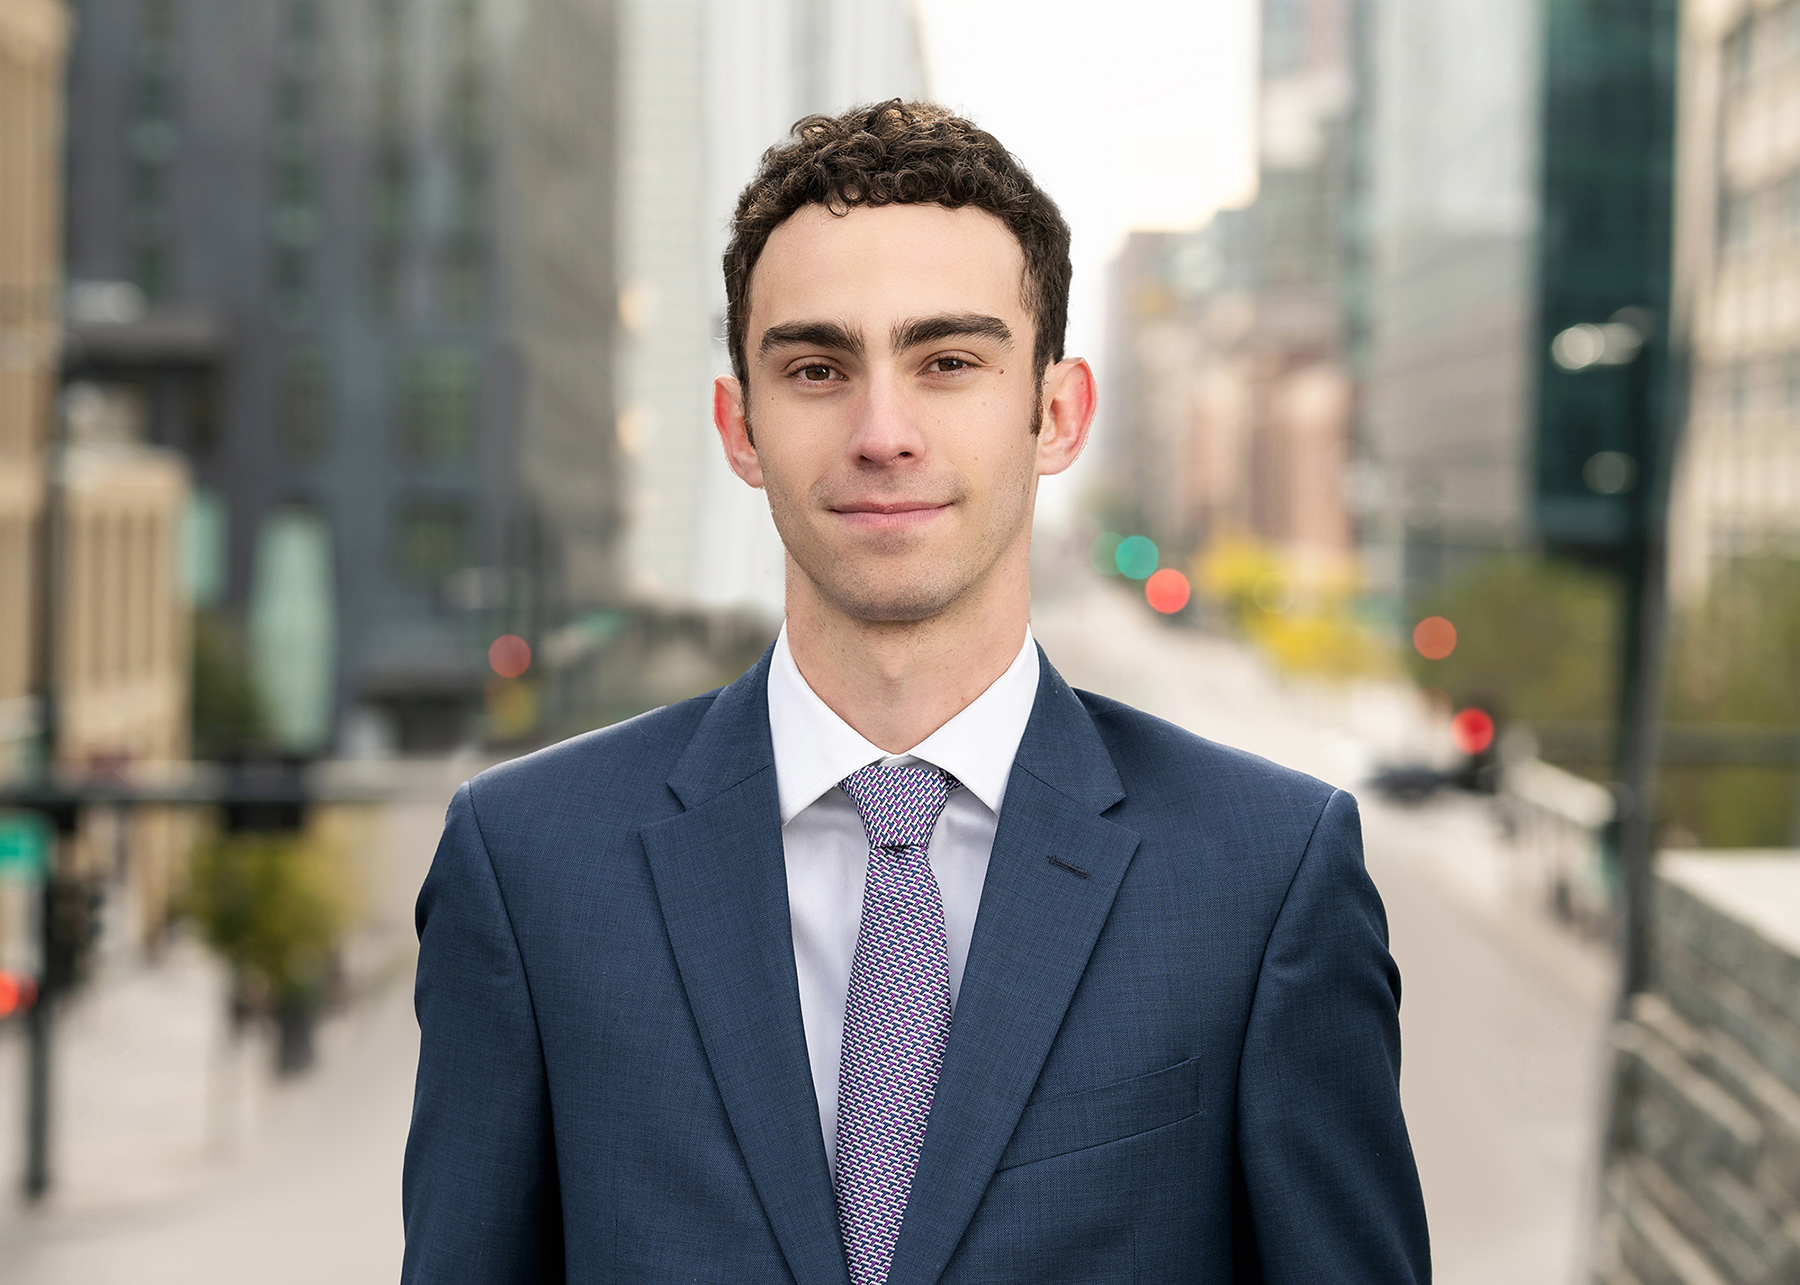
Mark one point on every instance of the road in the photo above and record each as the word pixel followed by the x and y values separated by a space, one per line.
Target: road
pixel 1503 1019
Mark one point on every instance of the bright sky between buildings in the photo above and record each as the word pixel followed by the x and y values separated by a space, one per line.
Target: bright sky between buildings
pixel 1131 113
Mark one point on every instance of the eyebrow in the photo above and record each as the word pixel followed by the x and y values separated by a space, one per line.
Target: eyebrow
pixel 929 330
pixel 811 334
pixel 906 334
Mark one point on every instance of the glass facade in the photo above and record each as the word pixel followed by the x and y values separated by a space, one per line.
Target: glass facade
pixel 1605 245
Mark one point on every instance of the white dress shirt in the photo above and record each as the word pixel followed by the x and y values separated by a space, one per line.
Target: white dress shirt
pixel 827 849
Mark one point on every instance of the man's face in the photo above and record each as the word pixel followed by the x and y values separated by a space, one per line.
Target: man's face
pixel 890 404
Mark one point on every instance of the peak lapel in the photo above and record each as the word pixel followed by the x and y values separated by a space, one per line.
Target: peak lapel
pixel 722 882
pixel 1035 930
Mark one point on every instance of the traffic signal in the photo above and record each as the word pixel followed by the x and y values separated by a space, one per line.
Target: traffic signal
pixel 18 992
pixel 266 796
pixel 72 926
pixel 1476 735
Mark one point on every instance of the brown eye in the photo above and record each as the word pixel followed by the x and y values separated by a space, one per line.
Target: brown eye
pixel 815 374
pixel 949 365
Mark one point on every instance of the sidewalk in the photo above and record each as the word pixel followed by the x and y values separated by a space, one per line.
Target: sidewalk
pixel 178 1159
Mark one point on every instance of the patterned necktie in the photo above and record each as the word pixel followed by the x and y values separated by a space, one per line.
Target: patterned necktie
pixel 896 1016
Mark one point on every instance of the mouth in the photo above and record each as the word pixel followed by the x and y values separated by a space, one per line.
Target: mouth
pixel 888 515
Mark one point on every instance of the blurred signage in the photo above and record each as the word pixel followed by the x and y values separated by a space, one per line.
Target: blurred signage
pixel 25 840
pixel 293 628
pixel 1604 262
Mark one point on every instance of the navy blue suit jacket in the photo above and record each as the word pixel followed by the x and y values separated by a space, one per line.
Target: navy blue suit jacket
pixel 1175 1056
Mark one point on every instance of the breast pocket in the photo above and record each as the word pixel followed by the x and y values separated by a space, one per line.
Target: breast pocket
pixel 1110 1113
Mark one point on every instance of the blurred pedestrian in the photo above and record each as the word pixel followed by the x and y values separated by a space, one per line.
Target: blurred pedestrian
pixel 897 959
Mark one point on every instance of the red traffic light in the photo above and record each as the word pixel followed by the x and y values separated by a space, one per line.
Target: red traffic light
pixel 509 655
pixel 1167 591
pixel 17 993
pixel 1473 730
pixel 1434 638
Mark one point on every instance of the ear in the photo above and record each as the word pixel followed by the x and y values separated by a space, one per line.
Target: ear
pixel 734 430
pixel 1070 397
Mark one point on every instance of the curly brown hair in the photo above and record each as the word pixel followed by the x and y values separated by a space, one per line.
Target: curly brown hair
pixel 900 153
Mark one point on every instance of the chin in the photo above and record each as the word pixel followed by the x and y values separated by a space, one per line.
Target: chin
pixel 896 608
pixel 893 599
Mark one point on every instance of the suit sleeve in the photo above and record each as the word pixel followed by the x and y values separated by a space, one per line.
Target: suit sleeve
pixel 479 1188
pixel 1327 1183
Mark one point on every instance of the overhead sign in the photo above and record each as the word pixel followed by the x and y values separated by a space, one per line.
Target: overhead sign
pixel 25 839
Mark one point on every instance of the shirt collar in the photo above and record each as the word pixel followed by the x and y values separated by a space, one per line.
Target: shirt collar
pixel 815 749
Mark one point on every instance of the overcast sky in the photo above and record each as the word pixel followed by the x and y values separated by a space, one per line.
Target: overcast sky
pixel 1131 113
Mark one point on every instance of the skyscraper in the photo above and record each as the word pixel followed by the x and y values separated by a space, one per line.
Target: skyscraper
pixel 399 215
pixel 32 41
pixel 1229 345
pixel 1738 487
pixel 707 86
pixel 1451 203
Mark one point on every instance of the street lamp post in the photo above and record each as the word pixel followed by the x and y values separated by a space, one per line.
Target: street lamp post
pixel 39 1018
pixel 1642 562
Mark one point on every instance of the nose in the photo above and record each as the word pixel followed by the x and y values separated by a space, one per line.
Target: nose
pixel 886 429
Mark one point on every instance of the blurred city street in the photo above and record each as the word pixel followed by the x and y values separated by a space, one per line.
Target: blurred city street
pixel 1503 1017
pixel 362 377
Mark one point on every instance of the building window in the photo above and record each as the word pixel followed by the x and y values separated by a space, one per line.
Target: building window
pixel 305 30
pixel 305 410
pixel 1790 206
pixel 159 20
pixel 384 279
pixel 205 547
pixel 293 284
pixel 461 258
pixel 462 277
pixel 146 186
pixel 294 218
pixel 154 139
pixel 441 416
pixel 391 179
pixel 393 191
pixel 1735 220
pixel 1739 52
pixel 432 538
pixel 150 267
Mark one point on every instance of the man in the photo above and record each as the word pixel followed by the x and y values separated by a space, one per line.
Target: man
pixel 897 959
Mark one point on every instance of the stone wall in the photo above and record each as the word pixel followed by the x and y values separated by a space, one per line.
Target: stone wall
pixel 1702 1185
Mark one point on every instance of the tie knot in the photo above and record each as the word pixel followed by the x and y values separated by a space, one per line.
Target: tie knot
pixel 899 805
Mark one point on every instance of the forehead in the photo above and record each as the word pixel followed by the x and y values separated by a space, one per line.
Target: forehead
pixel 878 264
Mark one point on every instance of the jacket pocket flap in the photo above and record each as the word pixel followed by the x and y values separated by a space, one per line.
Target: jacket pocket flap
pixel 1089 1117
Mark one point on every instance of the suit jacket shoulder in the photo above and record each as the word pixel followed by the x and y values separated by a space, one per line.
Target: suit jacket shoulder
pixel 1177 782
pixel 611 779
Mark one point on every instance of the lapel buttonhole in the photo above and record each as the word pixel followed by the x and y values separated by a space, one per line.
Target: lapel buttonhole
pixel 1077 871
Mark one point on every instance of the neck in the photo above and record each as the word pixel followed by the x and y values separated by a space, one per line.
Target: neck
pixel 897 682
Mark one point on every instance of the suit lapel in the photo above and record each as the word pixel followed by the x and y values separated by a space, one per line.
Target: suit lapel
pixel 1033 935
pixel 722 882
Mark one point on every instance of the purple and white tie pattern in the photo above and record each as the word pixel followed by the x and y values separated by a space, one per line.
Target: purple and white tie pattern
pixel 896 1016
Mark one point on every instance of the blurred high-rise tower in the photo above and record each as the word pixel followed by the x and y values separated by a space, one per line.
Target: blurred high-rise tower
pixel 1231 402
pixel 1451 211
pixel 117 659
pixel 394 219
pixel 1514 170
pixel 707 86
pixel 32 41
pixel 1738 489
